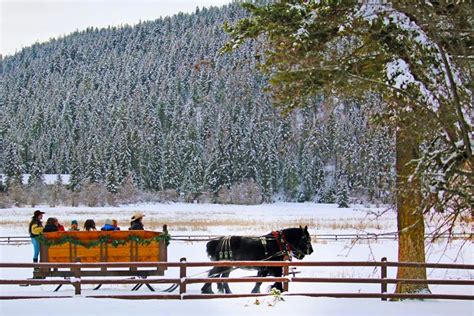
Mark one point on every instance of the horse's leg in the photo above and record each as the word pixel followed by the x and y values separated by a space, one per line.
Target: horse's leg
pixel 261 273
pixel 223 273
pixel 220 286
pixel 226 288
pixel 277 272
pixel 213 273
pixel 207 289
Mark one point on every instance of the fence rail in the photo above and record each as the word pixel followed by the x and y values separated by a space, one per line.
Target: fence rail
pixel 286 279
pixel 15 240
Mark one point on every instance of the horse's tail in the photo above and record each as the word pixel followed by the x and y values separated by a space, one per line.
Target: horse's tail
pixel 212 248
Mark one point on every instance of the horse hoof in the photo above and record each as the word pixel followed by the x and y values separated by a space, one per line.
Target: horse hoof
pixel 207 289
pixel 206 292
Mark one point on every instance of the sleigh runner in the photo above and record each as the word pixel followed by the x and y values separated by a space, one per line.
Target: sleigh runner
pixel 103 246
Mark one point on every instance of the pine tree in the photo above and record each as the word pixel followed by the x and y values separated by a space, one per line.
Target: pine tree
pixel 76 177
pixel 158 98
pixel 371 48
pixel 342 199
pixel 13 170
pixel 112 178
pixel 56 191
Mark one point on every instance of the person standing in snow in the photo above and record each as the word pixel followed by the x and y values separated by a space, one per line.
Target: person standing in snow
pixel 35 229
pixel 136 223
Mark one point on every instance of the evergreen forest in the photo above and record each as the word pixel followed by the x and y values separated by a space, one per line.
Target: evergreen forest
pixel 156 108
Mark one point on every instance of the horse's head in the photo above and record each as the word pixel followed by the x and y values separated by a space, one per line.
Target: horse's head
pixel 300 242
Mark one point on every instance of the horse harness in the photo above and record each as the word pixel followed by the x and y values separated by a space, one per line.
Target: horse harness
pixel 225 251
pixel 283 244
pixel 285 247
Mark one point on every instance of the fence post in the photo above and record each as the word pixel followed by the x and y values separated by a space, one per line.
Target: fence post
pixel 77 277
pixel 286 272
pixel 383 275
pixel 182 275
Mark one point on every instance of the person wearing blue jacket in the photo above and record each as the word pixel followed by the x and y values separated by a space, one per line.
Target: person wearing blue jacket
pixel 108 226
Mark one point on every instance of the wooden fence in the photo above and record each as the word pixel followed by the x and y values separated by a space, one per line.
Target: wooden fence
pixel 77 281
pixel 17 240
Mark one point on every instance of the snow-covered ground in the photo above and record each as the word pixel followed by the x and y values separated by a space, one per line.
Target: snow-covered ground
pixel 243 220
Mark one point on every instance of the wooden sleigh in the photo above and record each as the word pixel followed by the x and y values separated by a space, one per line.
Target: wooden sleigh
pixel 103 246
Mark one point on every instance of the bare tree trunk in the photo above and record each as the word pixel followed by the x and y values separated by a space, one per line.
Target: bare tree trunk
pixel 411 228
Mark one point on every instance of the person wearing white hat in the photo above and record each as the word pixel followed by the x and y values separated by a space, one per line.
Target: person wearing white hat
pixel 136 223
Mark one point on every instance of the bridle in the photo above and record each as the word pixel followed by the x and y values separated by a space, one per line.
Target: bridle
pixel 286 248
pixel 283 244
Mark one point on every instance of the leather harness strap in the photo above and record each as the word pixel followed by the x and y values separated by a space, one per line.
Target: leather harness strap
pixel 263 240
pixel 284 246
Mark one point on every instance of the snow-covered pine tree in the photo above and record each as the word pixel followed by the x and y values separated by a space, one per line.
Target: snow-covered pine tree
pixel 111 179
pixel 95 90
pixel 382 47
pixel 342 199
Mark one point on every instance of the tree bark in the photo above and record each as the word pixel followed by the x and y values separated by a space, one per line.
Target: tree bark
pixel 411 228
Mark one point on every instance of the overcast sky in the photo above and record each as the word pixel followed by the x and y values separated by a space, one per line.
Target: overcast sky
pixel 24 22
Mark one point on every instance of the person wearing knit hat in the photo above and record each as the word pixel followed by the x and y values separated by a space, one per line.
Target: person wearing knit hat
pixel 74 226
pixel 108 226
pixel 136 223
pixel 35 229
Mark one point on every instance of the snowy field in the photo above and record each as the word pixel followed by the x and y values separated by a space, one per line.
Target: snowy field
pixel 195 219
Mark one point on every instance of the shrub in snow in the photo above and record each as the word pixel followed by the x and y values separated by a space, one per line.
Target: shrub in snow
pixel 169 195
pixel 5 201
pixel 205 197
pixel 75 198
pixel 127 192
pixel 223 196
pixel 93 194
pixel 17 194
pixel 247 192
pixel 111 199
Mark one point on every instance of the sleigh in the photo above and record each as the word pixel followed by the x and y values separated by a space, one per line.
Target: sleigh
pixel 103 246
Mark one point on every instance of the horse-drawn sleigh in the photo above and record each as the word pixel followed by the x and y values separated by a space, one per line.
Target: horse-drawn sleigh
pixel 149 246
pixel 103 246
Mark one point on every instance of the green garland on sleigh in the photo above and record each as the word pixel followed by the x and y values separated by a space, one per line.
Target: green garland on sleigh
pixel 107 239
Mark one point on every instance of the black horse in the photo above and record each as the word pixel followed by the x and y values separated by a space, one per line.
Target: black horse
pixel 275 246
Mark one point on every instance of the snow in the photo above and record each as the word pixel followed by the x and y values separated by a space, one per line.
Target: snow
pixel 438 86
pixel 399 74
pixel 237 219
pixel 291 306
pixel 49 179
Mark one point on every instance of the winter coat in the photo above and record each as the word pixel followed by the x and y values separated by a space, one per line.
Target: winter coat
pixel 50 228
pixel 108 227
pixel 137 225
pixel 35 228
